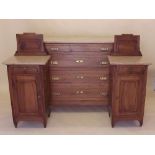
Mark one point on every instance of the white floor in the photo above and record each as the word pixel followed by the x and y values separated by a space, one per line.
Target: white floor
pixel 78 121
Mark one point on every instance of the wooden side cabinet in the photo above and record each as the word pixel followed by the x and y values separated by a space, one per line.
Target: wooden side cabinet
pixel 29 92
pixel 128 90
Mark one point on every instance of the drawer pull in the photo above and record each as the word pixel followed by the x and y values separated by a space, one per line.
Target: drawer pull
pixel 104 49
pixel 56 94
pixel 80 77
pixel 104 94
pixel 54 62
pixel 54 49
pixel 103 78
pixel 79 61
pixel 104 63
pixel 55 78
pixel 79 92
pixel 39 96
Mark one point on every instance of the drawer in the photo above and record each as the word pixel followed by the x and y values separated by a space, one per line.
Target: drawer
pixel 79 92
pixel 131 69
pixel 57 47
pixel 92 47
pixel 79 59
pixel 80 76
pixel 26 69
pixel 80 102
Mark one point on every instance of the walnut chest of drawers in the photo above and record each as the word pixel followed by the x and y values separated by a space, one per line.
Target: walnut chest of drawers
pixel 79 73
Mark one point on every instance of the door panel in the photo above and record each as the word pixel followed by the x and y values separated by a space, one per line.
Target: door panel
pixel 128 95
pixel 26 94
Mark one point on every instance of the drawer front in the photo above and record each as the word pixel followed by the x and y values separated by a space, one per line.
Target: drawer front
pixel 82 102
pixel 26 69
pixel 91 47
pixel 57 47
pixel 79 59
pixel 79 92
pixel 106 47
pixel 79 76
pixel 131 69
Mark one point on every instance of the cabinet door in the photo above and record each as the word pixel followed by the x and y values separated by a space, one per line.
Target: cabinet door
pixel 129 95
pixel 26 95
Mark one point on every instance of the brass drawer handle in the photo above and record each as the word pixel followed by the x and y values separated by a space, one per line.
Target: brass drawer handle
pixel 54 62
pixel 79 61
pixel 104 63
pixel 54 49
pixel 104 94
pixel 104 49
pixel 80 77
pixel 79 92
pixel 55 78
pixel 103 78
pixel 56 94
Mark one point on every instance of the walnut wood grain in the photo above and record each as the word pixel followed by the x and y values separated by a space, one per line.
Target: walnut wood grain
pixel 77 74
pixel 126 45
pixel 27 92
pixel 30 44
pixel 128 90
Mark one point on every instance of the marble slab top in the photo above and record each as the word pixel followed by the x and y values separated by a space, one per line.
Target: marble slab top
pixel 78 39
pixel 27 60
pixel 128 60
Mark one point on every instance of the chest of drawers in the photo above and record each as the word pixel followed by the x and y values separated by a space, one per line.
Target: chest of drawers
pixel 79 73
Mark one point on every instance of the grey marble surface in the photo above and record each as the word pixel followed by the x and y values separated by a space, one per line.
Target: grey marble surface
pixel 128 60
pixel 27 60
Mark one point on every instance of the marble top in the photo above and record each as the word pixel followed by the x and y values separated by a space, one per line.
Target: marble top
pixel 78 39
pixel 27 60
pixel 128 60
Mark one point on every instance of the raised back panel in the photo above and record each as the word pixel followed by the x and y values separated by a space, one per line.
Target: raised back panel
pixel 30 44
pixel 127 45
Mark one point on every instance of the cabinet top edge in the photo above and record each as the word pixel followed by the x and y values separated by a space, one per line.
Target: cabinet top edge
pixel 27 60
pixel 128 60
